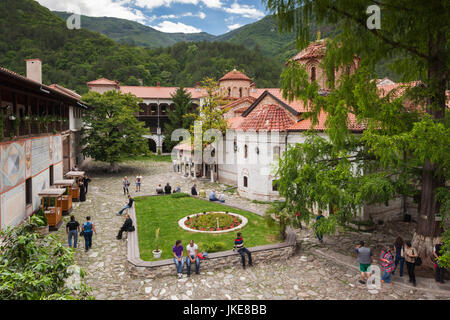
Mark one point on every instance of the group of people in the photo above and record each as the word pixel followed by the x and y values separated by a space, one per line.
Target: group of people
pixel 193 256
pixel 126 184
pixel 394 256
pixel 167 189
pixel 86 230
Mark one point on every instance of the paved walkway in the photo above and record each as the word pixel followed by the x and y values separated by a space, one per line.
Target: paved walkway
pixel 305 276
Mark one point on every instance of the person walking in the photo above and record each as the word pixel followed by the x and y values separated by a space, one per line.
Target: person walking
pixel 239 245
pixel 365 260
pixel 439 270
pixel 319 235
pixel 387 263
pixel 167 189
pixel 192 257
pixel 399 256
pixel 86 181
pixel 87 231
pixel 178 257
pixel 72 229
pixel 127 226
pixel 125 185
pixel 410 259
pixel 127 206
pixel 138 182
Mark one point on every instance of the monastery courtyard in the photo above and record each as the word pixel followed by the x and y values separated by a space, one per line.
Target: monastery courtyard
pixel 312 273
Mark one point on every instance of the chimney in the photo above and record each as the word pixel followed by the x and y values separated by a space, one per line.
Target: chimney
pixel 34 69
pixel 158 84
pixel 197 86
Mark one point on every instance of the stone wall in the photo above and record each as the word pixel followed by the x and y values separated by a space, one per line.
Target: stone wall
pixel 219 260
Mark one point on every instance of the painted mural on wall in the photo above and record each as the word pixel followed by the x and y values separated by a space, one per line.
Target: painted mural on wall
pixel 40 155
pixel 27 158
pixel 12 165
pixel 13 206
pixel 57 149
pixel 40 182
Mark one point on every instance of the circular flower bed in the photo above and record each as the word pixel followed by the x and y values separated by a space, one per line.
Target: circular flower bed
pixel 214 222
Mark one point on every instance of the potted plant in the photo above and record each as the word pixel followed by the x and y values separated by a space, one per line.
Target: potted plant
pixel 157 253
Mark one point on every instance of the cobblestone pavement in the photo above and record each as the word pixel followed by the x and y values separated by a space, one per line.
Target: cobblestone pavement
pixel 303 276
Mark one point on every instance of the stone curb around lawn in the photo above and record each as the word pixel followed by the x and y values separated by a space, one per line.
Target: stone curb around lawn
pixel 219 260
pixel 424 284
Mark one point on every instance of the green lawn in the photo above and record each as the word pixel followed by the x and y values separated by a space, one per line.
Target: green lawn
pixel 165 211
pixel 151 157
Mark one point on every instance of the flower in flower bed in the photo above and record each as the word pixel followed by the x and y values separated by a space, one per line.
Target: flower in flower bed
pixel 208 221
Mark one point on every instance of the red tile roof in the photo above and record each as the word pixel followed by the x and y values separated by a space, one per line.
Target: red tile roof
pixel 15 75
pixel 314 50
pixel 239 101
pixel 305 124
pixel 267 118
pixel 103 81
pixel 235 75
pixel 65 90
pixel 160 92
pixel 234 123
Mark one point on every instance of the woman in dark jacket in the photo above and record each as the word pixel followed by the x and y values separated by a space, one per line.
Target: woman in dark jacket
pixel 82 192
pixel 86 181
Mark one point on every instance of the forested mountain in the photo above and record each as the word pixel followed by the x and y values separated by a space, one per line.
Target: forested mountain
pixel 262 34
pixel 134 33
pixel 73 57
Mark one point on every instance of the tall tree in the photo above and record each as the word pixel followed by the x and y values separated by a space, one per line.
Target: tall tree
pixel 178 118
pixel 403 150
pixel 112 132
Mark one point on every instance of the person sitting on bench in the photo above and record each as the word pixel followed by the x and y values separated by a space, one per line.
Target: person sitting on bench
pixel 159 190
pixel 128 206
pixel 212 196
pixel 127 226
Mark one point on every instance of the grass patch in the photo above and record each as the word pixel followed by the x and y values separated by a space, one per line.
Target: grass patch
pixel 151 157
pixel 165 211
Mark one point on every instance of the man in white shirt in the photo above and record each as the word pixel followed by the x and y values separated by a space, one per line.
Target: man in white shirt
pixel 192 257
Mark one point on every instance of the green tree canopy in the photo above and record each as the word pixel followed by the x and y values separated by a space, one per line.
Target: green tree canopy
pixel 178 118
pixel 112 131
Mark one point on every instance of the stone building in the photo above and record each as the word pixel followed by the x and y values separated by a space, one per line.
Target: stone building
pixel 156 101
pixel 39 137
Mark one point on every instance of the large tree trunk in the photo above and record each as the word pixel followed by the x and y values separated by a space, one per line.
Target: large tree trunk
pixel 428 230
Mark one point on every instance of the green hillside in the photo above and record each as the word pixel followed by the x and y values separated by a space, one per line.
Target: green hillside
pixel 134 33
pixel 73 57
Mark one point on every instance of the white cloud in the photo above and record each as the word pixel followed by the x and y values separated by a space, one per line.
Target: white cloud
pixel 234 26
pixel 151 4
pixel 97 8
pixel 171 27
pixel 245 11
pixel 200 15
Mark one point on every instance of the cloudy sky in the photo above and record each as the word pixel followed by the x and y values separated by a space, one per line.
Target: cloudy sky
pixel 212 16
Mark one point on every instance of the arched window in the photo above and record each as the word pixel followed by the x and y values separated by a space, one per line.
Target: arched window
pixel 229 92
pixel 240 92
pixel 235 146
pixel 313 74
pixel 245 182
pixel 245 151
